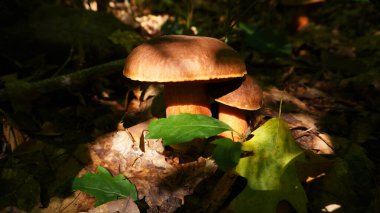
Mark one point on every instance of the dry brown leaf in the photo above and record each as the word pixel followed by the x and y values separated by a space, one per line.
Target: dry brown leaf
pixel 274 95
pixel 319 102
pixel 12 209
pixel 156 180
pixel 77 202
pixel 123 12
pixel 138 129
pixel 301 91
pixel 307 134
pixel 305 131
pixel 118 206
pixel 13 136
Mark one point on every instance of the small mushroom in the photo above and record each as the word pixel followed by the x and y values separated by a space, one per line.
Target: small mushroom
pixel 184 64
pixel 247 96
pixel 299 10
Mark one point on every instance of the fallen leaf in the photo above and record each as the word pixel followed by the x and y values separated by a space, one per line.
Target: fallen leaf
pixel 121 206
pixel 273 94
pixel 138 130
pixel 270 171
pixel 306 132
pixel 12 209
pixel 77 202
pixel 13 136
pixel 157 181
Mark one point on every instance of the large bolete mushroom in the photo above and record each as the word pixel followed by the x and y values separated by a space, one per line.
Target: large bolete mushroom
pixel 184 64
pixel 233 105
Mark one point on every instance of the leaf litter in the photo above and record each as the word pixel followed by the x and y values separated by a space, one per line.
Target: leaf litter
pixel 157 181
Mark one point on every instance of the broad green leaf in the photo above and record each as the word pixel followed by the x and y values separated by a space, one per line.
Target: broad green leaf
pixel 226 153
pixel 185 127
pixel 270 171
pixel 105 187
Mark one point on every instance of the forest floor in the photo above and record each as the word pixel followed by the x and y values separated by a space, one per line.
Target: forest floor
pixel 64 102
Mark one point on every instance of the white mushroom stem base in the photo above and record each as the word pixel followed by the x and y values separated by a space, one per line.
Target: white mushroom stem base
pixel 236 119
pixel 186 98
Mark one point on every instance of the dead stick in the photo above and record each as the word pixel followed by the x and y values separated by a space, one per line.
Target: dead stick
pixel 221 191
pixel 71 80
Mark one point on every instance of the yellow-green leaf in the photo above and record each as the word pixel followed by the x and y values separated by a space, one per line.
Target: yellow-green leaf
pixel 270 171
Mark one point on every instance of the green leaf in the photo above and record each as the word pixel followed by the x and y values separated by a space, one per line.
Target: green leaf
pixel 270 171
pixel 105 187
pixel 226 153
pixel 185 127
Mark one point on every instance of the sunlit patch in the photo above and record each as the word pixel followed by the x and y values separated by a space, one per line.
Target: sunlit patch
pixel 311 179
pixel 90 5
pixel 152 23
pixel 331 208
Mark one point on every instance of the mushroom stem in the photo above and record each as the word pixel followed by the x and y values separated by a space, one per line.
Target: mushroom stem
pixel 236 119
pixel 186 98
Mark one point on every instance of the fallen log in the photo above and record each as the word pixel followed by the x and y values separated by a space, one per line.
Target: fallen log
pixel 72 81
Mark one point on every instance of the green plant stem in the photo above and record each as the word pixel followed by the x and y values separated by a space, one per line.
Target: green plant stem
pixel 189 17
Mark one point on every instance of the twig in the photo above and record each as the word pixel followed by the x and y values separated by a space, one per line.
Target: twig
pixel 221 191
pixel 71 80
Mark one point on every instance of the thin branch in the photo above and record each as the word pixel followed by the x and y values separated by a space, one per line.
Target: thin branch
pixel 71 80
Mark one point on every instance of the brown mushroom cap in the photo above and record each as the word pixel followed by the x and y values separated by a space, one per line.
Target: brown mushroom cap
pixel 248 96
pixel 236 96
pixel 179 58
